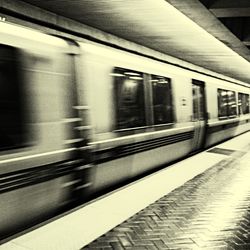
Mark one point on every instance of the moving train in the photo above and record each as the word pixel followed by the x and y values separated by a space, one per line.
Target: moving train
pixel 78 118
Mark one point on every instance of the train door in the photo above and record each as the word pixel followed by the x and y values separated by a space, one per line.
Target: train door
pixel 199 114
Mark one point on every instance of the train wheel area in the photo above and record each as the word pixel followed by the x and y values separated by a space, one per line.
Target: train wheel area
pixel 199 203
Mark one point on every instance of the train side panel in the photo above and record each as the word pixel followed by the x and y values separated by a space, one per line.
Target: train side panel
pixel 33 170
pixel 121 154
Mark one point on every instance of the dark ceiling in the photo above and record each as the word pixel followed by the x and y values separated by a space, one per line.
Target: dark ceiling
pixel 234 14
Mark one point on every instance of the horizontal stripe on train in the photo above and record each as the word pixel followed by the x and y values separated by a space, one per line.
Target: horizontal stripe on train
pixel 221 127
pixel 32 176
pixel 137 147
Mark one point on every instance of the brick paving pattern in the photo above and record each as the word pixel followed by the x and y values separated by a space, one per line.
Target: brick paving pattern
pixel 211 211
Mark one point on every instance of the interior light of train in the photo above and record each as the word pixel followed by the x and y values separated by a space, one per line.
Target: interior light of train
pixel 131 73
pixel 135 78
pixel 2 19
pixel 162 81
pixel 116 74
pixel 130 84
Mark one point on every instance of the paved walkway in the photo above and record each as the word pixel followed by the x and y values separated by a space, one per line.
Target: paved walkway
pixel 211 211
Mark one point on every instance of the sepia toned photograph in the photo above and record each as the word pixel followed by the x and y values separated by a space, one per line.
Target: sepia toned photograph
pixel 124 125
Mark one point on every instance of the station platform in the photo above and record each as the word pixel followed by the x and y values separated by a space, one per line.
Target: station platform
pixel 202 202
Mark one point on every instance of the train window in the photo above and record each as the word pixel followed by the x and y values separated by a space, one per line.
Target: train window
pixel 226 103
pixel 232 109
pixel 198 96
pixel 162 100
pixel 243 103
pixel 129 98
pixel 222 103
pixel 11 125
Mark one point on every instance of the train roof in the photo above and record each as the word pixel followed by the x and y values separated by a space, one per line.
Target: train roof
pixel 139 59
pixel 13 34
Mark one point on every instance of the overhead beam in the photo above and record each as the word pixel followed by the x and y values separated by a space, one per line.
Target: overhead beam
pixel 247 43
pixel 230 4
pixel 230 12
pixel 246 39
pixel 230 8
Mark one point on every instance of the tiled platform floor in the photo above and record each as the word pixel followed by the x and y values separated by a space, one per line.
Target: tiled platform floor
pixel 211 211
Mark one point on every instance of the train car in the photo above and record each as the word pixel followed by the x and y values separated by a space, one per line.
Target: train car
pixel 78 118
pixel 228 111
pixel 146 113
pixel 37 143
